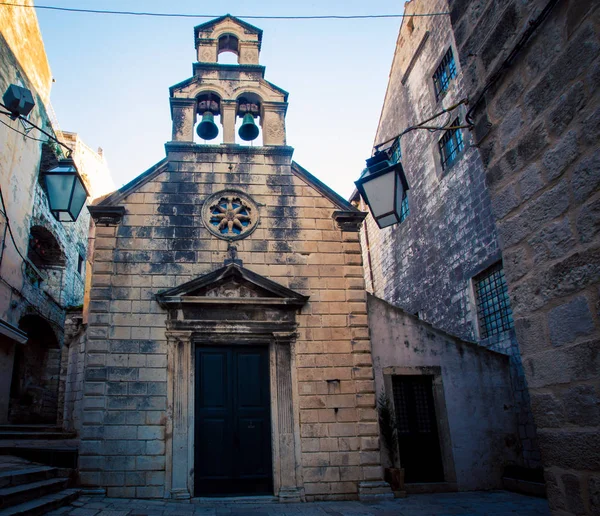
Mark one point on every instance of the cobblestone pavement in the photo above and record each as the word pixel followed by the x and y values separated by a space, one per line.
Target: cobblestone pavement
pixel 497 503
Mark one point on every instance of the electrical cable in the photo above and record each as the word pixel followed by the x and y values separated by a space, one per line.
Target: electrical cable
pixel 250 17
pixel 421 125
pixel 9 227
pixel 20 132
pixel 20 117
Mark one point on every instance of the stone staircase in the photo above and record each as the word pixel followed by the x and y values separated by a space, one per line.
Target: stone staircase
pixel 37 465
pixel 28 488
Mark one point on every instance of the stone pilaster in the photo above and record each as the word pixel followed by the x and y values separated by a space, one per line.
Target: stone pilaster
pixel 228 108
pixel 273 123
pixel 183 114
pixel 179 357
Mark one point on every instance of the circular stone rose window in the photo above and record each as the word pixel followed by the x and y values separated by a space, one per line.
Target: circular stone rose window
pixel 230 215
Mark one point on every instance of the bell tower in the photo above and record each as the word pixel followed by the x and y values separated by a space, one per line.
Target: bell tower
pixel 228 90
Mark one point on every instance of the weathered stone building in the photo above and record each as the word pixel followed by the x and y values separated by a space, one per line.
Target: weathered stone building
pixel 227 348
pixel 41 259
pixel 531 74
pixel 443 262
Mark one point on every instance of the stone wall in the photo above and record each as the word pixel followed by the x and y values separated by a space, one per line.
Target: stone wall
pixel 162 242
pixel 537 130
pixel 427 263
pixel 478 430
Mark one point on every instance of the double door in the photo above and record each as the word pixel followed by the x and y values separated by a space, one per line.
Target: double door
pixel 232 421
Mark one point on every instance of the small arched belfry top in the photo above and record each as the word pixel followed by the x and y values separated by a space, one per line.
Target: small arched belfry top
pixel 227 34
pixel 226 90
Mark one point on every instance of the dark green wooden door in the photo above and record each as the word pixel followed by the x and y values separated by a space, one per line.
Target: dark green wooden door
pixel 233 424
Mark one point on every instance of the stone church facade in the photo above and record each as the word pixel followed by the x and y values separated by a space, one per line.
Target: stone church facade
pixel 227 341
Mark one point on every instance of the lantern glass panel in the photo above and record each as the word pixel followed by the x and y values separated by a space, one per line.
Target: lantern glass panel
pixel 79 198
pixel 59 189
pixel 380 193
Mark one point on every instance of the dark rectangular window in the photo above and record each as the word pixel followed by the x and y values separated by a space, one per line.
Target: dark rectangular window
pixel 445 72
pixel 451 145
pixel 493 304
pixel 80 264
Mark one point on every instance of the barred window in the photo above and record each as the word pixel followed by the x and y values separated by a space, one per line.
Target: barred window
pixel 445 72
pixel 395 151
pixel 493 304
pixel 451 145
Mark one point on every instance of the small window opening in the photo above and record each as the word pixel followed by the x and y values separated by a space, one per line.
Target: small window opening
pixel 411 24
pixel 451 145
pixel 446 71
pixel 493 304
pixel 80 264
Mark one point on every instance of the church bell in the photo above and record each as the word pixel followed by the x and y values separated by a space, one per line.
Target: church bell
pixel 207 129
pixel 248 130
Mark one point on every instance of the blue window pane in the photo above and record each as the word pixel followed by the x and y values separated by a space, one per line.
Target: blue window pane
pixel 445 72
pixel 493 304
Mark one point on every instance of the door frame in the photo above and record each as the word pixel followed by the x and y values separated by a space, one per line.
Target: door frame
pixel 441 413
pixel 239 345
pixel 285 427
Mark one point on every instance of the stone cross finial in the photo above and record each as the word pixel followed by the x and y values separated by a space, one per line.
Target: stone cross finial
pixel 232 256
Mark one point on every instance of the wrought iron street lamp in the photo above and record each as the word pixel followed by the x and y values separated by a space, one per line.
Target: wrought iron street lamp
pixel 66 192
pixel 382 185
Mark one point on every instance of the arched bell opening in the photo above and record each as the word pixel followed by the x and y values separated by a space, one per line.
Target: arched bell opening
pixel 228 49
pixel 248 127
pixel 36 373
pixel 209 129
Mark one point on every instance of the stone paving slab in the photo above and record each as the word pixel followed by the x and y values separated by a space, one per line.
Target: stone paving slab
pixel 496 503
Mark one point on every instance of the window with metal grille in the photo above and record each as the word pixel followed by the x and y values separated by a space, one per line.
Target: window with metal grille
pixel 445 72
pixel 493 304
pixel 451 145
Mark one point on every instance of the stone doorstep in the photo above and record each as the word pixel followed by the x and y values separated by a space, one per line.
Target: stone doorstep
pixel 257 500
pixel 524 487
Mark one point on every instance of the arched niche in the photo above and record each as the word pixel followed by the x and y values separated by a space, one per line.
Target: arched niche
pixel 44 249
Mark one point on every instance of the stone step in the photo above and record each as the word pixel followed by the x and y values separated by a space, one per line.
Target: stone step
pixel 43 504
pixel 10 496
pixel 24 475
pixel 46 436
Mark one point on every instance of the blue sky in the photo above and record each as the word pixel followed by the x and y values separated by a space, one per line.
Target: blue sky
pixel 113 74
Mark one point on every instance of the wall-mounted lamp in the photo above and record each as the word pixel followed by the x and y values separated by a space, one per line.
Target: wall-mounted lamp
pixel 382 186
pixel 66 192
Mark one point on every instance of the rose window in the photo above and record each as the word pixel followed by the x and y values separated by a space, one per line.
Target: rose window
pixel 230 216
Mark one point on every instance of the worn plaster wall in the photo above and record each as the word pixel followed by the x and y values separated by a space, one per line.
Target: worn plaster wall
pixel 538 132
pixel 477 392
pixel 25 290
pixel 426 264
pixel 163 242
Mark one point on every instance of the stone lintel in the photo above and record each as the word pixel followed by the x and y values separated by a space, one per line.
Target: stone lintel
pixel 107 215
pixel 349 220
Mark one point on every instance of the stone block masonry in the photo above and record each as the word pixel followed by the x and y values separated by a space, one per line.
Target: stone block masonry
pixel 163 242
pixel 543 179
pixel 427 263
